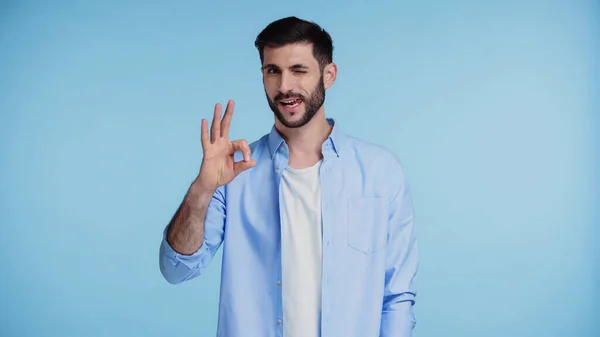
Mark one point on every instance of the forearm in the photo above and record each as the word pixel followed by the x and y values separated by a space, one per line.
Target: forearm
pixel 185 232
pixel 398 320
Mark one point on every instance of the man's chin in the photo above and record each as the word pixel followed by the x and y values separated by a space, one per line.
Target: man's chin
pixel 295 121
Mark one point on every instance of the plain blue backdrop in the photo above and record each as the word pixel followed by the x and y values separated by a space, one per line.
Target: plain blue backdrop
pixel 491 106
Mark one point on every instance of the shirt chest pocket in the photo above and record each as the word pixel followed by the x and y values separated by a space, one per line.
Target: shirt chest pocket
pixel 367 223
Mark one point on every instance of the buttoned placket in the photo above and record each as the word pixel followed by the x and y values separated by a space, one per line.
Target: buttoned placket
pixel 326 207
pixel 280 161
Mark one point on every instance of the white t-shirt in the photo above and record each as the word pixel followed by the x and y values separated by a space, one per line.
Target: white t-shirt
pixel 301 251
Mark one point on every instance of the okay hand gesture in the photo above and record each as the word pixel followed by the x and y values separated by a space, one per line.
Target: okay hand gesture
pixel 218 167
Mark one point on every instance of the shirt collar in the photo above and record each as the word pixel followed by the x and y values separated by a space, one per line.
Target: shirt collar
pixel 334 142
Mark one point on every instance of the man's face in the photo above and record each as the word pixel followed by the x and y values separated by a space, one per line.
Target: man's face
pixel 294 83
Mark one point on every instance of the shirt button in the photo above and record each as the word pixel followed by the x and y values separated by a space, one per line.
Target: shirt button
pixel 282 148
pixel 277 169
pixel 278 321
pixel 278 283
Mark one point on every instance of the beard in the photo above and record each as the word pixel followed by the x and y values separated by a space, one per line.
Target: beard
pixel 312 104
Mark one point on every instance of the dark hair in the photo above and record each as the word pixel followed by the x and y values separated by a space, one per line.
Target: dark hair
pixel 294 30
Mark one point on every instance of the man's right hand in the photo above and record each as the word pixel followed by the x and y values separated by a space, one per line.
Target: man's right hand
pixel 218 167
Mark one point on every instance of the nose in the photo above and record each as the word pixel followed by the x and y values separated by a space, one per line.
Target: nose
pixel 286 82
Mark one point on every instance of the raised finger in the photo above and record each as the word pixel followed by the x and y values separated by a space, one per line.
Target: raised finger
pixel 226 123
pixel 242 145
pixel 216 123
pixel 204 133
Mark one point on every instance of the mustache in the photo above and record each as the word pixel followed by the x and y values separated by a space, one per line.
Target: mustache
pixel 288 95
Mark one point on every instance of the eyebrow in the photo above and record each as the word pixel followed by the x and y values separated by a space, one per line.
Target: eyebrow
pixel 294 67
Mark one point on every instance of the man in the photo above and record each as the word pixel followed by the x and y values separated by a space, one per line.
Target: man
pixel 317 226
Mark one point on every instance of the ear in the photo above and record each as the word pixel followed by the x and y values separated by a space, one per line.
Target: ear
pixel 329 75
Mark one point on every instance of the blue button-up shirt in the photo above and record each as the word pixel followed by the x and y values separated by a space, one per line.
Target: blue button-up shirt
pixel 369 245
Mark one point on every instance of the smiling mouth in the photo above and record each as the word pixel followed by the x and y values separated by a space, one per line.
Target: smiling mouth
pixel 291 103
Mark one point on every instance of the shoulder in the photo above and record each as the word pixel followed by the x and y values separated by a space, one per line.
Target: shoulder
pixel 373 153
pixel 377 164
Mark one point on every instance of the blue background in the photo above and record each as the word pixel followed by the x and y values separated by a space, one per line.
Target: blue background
pixel 493 108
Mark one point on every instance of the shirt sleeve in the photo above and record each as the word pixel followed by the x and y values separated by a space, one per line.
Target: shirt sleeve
pixel 177 268
pixel 398 319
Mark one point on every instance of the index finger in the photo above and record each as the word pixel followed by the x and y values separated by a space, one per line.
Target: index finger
pixel 226 122
pixel 242 145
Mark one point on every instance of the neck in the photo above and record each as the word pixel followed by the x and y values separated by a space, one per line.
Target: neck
pixel 305 142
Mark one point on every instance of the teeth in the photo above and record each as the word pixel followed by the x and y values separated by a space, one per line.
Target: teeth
pixel 291 103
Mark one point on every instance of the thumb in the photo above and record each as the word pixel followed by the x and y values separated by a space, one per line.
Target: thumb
pixel 242 166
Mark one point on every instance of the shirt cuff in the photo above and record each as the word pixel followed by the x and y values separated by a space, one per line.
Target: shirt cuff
pixel 190 261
